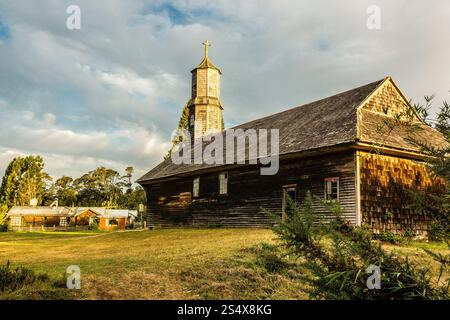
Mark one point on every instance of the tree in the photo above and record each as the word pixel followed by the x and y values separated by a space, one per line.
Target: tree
pixel 133 198
pixel 129 174
pixel 183 124
pixel 98 187
pixel 3 218
pixel 65 191
pixel 24 179
pixel 10 182
pixel 440 165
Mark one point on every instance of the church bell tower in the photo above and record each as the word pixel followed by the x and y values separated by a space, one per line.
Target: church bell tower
pixel 205 109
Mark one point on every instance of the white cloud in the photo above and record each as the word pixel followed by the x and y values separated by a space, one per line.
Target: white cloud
pixel 49 118
pixel 28 115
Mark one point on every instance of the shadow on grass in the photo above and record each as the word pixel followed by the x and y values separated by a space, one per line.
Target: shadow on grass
pixel 20 283
pixel 259 272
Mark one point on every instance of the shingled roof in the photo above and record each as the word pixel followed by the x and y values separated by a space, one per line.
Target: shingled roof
pixel 324 123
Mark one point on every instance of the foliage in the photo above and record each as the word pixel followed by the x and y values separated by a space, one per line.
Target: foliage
pixel 296 229
pixel 341 265
pixel 437 231
pixel 3 218
pixel 93 225
pixel 183 124
pixel 132 198
pixel 14 279
pixel 388 236
pixel 98 187
pixel 65 191
pixel 128 175
pixel 440 164
pixel 434 203
pixel 24 179
pixel 23 283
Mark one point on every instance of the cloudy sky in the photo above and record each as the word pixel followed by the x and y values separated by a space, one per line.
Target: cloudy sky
pixel 111 93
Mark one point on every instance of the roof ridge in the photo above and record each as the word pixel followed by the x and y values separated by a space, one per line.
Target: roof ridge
pixel 314 101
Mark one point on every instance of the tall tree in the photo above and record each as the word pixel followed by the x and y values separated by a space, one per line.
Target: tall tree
pixel 24 179
pixel 128 175
pixel 440 165
pixel 98 187
pixel 183 124
pixel 132 198
pixel 65 191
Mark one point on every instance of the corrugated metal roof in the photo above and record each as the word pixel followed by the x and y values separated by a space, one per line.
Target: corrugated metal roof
pixel 104 212
pixel 67 212
pixel 115 213
pixel 96 210
pixel 39 211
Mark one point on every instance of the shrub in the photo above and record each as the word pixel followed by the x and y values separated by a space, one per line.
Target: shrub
pixel 14 279
pixel 296 230
pixel 438 230
pixel 400 279
pixel 388 236
pixel 341 265
pixel 93 226
pixel 3 227
pixel 22 283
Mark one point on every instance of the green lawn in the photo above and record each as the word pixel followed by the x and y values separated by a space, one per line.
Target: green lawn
pixel 170 263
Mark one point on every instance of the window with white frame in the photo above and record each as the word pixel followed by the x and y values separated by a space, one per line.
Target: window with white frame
pixel 63 222
pixel 223 183
pixel 196 187
pixel 16 221
pixel 332 189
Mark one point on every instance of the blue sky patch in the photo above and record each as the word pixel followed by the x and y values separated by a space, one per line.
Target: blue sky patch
pixel 180 17
pixel 5 32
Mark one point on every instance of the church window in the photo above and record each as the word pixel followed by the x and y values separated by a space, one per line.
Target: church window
pixel 196 187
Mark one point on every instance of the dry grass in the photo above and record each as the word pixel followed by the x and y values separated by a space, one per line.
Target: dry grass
pixel 169 264
pixel 132 265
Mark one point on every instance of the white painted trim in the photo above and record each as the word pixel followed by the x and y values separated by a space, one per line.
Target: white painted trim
pixel 325 189
pixel 358 189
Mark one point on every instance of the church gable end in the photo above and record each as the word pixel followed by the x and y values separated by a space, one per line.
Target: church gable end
pixel 387 100
pixel 379 125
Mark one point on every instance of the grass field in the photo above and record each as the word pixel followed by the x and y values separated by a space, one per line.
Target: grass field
pixel 171 264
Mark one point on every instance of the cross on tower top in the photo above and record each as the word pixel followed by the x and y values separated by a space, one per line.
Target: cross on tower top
pixel 207 45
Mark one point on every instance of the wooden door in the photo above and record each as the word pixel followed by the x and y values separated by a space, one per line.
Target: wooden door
pixel 291 192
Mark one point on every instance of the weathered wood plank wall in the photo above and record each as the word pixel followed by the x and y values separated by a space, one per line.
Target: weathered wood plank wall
pixel 170 204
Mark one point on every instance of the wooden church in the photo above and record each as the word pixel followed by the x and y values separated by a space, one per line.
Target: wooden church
pixel 341 148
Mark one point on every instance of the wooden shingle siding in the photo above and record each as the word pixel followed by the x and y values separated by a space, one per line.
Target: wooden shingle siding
pixel 250 194
pixel 388 100
pixel 386 204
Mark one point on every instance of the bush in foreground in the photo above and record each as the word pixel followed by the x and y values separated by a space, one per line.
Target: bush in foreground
pixel 23 283
pixel 341 265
